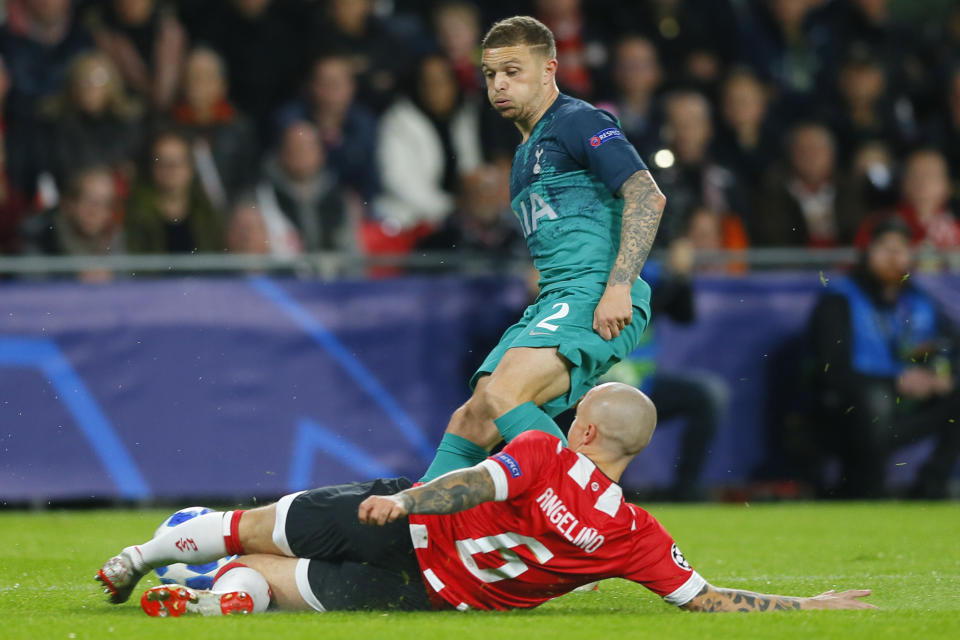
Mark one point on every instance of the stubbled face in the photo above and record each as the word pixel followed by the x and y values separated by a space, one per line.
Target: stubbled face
pixel 91 211
pixel 517 79
pixel 889 258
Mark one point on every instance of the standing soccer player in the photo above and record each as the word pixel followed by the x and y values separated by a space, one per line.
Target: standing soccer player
pixel 589 210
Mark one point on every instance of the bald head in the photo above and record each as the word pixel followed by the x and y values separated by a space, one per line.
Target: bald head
pixel 623 416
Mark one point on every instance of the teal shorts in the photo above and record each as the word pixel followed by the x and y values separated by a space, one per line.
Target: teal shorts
pixel 564 319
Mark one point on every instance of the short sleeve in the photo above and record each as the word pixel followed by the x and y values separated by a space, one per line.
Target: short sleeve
pixel 517 467
pixel 658 564
pixel 594 139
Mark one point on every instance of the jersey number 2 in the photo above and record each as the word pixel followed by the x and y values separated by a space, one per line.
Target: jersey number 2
pixel 546 324
pixel 503 544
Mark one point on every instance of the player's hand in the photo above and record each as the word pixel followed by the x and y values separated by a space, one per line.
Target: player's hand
pixel 849 599
pixel 381 510
pixel 613 312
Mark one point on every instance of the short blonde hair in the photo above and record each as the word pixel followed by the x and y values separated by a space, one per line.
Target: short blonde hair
pixel 520 30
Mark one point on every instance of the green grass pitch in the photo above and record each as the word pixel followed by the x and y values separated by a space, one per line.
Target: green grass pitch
pixel 909 554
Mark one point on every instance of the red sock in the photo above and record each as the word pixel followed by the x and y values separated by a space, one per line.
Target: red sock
pixel 231 535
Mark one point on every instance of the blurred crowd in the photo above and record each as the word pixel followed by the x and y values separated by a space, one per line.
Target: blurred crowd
pixel 285 126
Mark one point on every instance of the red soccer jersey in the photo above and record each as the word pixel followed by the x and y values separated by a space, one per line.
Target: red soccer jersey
pixel 557 523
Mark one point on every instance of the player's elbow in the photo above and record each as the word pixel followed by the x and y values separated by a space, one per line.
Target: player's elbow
pixel 657 200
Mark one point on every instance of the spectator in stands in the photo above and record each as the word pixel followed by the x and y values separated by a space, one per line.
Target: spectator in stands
pixel 687 174
pixel 425 143
pixel 636 74
pixel 457 31
pixel 866 111
pixel 712 231
pixel 92 122
pixel 37 43
pixel 925 204
pixel 887 376
pixel 943 131
pixel 379 59
pixel 873 175
pixel 146 41
pixel 300 198
pixel 264 44
pixel 789 48
pixel 698 398
pixel 167 211
pixel 86 224
pixel 13 206
pixel 808 202
pixel 224 141
pixel 747 140
pixel 456 24
pixel 870 25
pixel 578 50
pixel 686 33
pixel 347 129
pixel 483 222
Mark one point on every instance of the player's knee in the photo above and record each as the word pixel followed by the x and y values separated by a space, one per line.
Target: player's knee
pixel 471 421
pixel 495 399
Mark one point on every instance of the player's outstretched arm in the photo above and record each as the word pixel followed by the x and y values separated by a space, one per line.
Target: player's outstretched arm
pixel 450 493
pixel 711 599
pixel 643 205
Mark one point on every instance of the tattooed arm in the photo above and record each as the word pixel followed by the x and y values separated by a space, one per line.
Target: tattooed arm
pixel 642 207
pixel 450 493
pixel 710 599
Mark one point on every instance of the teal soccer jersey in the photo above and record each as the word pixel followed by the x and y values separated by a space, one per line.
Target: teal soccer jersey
pixel 563 187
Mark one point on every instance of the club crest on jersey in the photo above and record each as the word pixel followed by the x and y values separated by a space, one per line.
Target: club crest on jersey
pixel 602 136
pixel 539 209
pixel 678 557
pixel 509 463
pixel 538 153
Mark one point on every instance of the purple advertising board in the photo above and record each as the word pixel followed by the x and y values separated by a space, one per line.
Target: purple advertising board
pixel 255 386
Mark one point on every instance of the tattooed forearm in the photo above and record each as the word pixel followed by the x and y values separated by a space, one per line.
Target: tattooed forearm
pixel 450 493
pixel 711 600
pixel 642 207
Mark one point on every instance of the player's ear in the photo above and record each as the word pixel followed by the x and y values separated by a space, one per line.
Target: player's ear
pixel 550 71
pixel 590 433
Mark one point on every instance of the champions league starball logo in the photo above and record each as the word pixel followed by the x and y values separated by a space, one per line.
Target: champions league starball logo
pixel 603 136
pixel 678 557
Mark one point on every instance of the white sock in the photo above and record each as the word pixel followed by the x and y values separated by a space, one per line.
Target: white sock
pixel 196 541
pixel 250 581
